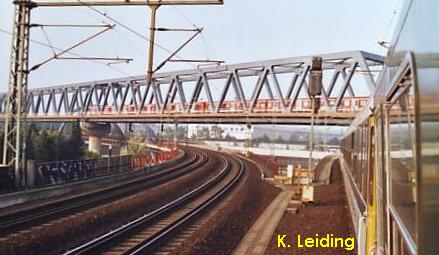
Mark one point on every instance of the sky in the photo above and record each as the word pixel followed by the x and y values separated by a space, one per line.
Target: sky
pixel 238 31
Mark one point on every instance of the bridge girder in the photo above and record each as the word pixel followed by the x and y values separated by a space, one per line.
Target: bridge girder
pixel 77 101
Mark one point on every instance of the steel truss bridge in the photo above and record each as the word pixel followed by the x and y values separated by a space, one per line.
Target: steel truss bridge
pixel 175 97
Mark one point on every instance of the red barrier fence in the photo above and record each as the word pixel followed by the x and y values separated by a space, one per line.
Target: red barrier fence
pixel 154 158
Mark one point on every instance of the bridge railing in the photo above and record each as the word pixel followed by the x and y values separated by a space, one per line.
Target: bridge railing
pixel 280 82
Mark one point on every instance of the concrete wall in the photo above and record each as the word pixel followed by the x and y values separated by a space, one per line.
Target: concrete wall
pixel 94 183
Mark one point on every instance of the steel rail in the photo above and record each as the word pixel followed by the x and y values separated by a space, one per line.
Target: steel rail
pixel 28 217
pixel 160 236
pixel 104 241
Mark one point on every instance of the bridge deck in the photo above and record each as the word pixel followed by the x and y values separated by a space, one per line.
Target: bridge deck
pixel 329 118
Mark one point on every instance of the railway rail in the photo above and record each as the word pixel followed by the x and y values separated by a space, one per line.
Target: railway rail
pixel 151 230
pixel 34 216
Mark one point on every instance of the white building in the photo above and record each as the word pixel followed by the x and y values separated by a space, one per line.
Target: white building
pixel 240 132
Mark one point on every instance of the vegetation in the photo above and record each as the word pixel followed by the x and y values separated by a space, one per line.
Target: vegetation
pixel 230 138
pixel 169 132
pixel 76 146
pixel 49 145
pixel 203 133
pixel 91 155
pixel 216 132
pixel 136 145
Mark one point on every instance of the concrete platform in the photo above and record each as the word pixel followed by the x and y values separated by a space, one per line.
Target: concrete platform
pixel 258 237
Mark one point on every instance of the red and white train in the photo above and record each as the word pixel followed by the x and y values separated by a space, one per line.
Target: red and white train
pixel 348 104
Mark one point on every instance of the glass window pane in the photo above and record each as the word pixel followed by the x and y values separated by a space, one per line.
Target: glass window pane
pixel 402 164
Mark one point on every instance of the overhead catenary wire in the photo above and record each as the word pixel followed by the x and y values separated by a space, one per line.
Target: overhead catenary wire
pixel 185 17
pixel 190 22
pixel 57 55
pixel 128 28
pixel 71 53
pixel 390 24
pixel 48 40
pixel 64 51
pixel 115 31
pixel 116 60
pixel 107 16
pixel 206 47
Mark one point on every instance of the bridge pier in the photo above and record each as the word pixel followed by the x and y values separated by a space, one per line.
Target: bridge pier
pixel 94 144
pixel 95 132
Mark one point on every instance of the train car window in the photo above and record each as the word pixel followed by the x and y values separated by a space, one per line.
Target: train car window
pixel 401 158
pixel 371 165
pixel 380 181
pixel 364 167
pixel 357 156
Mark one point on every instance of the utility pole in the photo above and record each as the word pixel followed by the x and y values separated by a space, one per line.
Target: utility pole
pixel 15 125
pixel 14 140
pixel 152 30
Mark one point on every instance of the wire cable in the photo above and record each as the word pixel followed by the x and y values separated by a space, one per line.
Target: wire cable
pixel 48 40
pixel 203 38
pixel 129 29
pixel 115 32
pixel 189 21
pixel 71 53
pixel 392 19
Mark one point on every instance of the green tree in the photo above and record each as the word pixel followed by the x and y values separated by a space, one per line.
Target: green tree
pixel 181 132
pixel 228 137
pixel 76 146
pixel 265 139
pixel 30 135
pixel 203 132
pixel 136 145
pixel 169 133
pixel 43 147
pixel 61 147
pixel 216 131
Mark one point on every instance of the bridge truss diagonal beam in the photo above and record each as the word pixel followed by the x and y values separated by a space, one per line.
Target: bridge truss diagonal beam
pixel 285 81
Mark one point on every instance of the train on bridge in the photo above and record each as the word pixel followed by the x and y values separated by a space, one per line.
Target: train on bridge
pixel 348 104
pixel 390 152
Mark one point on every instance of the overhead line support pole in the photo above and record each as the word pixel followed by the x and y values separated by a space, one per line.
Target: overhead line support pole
pixel 152 30
pixel 14 146
pixel 16 109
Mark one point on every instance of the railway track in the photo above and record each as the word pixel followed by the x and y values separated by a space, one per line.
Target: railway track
pixel 176 218
pixel 29 217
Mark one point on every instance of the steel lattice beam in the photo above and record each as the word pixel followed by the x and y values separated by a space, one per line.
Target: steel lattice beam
pixel 118 98
pixel 14 105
